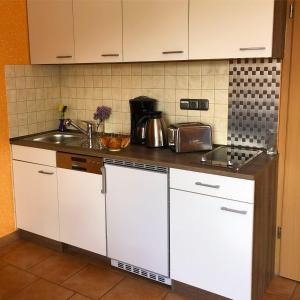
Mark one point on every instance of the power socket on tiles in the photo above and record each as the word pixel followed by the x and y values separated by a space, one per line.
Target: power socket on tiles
pixel 194 104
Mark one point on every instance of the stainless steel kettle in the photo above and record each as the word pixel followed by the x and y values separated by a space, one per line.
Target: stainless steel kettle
pixel 156 130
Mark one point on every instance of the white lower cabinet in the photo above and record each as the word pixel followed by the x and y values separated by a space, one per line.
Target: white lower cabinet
pixel 35 189
pixel 82 210
pixel 211 243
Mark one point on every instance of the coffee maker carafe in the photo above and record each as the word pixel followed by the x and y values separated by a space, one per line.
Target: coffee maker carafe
pixel 141 109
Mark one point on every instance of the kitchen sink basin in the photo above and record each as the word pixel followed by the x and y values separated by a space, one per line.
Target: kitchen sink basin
pixel 59 138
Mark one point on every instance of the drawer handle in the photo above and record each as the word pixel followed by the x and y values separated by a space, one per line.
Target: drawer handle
pixel 236 211
pixel 64 56
pixel 207 185
pixel 78 168
pixel 173 52
pixel 110 54
pixel 252 48
pixel 46 173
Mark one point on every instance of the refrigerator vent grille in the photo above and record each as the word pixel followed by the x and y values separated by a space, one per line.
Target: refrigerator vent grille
pixel 141 272
pixel 135 165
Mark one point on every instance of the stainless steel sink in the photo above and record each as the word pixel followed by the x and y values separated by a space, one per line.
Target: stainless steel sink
pixel 59 138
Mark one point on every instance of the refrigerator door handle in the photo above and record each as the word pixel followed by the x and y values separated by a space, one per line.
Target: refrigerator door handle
pixel 103 171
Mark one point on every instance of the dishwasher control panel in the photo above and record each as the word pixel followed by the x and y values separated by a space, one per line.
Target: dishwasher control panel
pixel 78 162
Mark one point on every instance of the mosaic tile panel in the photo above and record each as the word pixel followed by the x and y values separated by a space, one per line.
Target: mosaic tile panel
pixel 254 86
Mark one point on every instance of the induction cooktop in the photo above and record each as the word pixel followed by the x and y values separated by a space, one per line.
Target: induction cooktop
pixel 230 157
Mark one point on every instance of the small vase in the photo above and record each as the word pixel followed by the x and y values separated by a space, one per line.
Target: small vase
pixel 62 126
pixel 100 128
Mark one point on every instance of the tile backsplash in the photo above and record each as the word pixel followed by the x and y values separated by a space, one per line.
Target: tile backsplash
pixel 84 87
pixel 33 93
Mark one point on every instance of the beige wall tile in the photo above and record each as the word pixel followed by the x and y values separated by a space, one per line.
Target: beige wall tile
pixel 147 69
pixel 158 82
pixel 182 68
pixel 221 81
pixel 222 67
pixel 170 68
pixel 195 68
pixel 208 82
pixel 194 82
pixel 84 87
pixel 221 97
pixel 208 68
pixel 158 69
pixel 182 82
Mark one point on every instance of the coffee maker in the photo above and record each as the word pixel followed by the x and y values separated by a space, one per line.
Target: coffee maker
pixel 141 109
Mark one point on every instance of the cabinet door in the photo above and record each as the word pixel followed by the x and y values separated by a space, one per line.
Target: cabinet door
pixel 155 30
pixel 230 28
pixel 82 210
pixel 51 31
pixel 98 30
pixel 211 243
pixel 35 190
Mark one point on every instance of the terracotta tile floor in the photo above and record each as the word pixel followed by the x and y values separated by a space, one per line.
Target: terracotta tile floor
pixel 31 272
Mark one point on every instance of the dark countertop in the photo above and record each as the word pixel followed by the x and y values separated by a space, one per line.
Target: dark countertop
pixel 161 157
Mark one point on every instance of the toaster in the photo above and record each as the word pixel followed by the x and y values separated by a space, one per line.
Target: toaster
pixel 190 137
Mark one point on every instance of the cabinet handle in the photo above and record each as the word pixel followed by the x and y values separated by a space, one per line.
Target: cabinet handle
pixel 110 54
pixel 207 185
pixel 64 56
pixel 173 52
pixel 103 171
pixel 241 212
pixel 46 173
pixel 252 48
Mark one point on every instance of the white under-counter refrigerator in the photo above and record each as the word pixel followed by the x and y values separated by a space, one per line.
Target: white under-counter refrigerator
pixel 137 213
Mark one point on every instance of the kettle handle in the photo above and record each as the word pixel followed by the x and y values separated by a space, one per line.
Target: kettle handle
pixel 171 136
pixel 143 118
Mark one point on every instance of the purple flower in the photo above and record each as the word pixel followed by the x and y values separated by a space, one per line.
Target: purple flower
pixel 102 113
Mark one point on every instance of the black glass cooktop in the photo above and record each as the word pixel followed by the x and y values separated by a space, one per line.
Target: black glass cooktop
pixel 229 157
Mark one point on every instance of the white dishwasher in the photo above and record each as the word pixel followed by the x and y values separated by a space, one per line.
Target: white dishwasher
pixel 137 209
pixel 81 203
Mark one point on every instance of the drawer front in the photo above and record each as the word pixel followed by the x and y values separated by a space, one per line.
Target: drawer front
pixel 34 155
pixel 213 185
pixel 77 162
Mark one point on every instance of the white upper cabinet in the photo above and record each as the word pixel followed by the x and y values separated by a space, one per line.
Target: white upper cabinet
pixel 230 28
pixel 51 31
pixel 155 30
pixel 98 30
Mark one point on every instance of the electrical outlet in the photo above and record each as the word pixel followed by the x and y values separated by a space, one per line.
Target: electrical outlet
pixel 194 104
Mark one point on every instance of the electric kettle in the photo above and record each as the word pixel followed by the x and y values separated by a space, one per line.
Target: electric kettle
pixel 156 131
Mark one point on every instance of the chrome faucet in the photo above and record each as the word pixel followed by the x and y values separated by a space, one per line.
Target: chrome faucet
pixel 88 131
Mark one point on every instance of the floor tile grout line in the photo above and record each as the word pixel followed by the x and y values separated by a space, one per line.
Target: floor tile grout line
pixel 84 267
pixel 294 291
pixel 25 287
pixel 165 295
pixel 37 278
pixel 60 283
pixel 74 274
pixel 27 269
pixel 71 295
pixel 115 285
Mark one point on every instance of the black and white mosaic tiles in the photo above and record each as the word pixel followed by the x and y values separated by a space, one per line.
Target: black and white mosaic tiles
pixel 254 86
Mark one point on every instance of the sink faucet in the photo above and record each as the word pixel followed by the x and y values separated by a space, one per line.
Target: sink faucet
pixel 88 131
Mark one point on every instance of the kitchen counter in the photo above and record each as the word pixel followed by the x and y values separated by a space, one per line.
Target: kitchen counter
pixel 162 157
